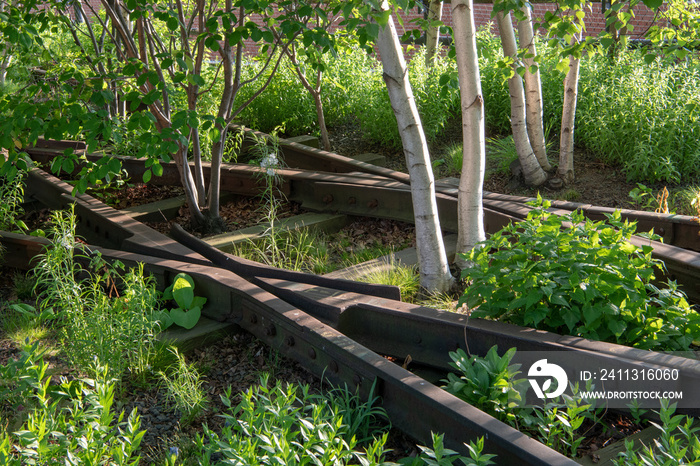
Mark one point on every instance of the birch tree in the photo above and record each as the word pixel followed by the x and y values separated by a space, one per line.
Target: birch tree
pixel 470 192
pixel 565 170
pixel 435 274
pixel 432 32
pixel 533 88
pixel 533 173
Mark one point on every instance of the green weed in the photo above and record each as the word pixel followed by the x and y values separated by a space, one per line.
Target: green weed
pixel 405 277
pixel 677 442
pixel 95 319
pixel 183 388
pixel 67 421
pixel 12 194
pixel 283 425
pixel 586 279
pixel 487 383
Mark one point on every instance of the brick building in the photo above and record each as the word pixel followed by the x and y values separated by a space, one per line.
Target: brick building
pixel 594 19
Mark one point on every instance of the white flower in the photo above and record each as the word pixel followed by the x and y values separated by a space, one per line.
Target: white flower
pixel 269 161
pixel 270 172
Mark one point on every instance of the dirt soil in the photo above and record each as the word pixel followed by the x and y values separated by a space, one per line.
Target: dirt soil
pixel 596 182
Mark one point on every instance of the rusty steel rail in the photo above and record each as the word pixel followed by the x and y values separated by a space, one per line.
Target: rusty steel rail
pixel 368 194
pixel 295 318
pixel 413 404
pixel 325 181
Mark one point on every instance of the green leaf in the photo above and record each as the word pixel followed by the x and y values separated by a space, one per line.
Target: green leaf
pixel 173 23
pixel 617 327
pixel 653 4
pixel 199 301
pixel 183 291
pixel 68 165
pixel 157 169
pixel 186 319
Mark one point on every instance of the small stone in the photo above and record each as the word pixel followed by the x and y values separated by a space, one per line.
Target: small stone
pixel 555 183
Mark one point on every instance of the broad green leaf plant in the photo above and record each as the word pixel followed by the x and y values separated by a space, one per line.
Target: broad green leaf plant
pixel 487 383
pixel 189 309
pixel 570 275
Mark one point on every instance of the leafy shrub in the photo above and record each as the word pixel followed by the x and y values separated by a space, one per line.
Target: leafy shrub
pixel 285 425
pixel 582 279
pixel 490 383
pixel 71 421
pixel 677 443
pixel 487 383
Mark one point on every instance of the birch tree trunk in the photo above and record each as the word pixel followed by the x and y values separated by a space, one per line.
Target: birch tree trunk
pixel 565 171
pixel 435 274
pixel 470 193
pixel 432 34
pixel 533 90
pixel 532 171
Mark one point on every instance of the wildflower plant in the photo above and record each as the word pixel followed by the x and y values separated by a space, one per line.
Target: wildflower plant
pixel 268 158
pixel 285 425
pixel 12 195
pixel 96 320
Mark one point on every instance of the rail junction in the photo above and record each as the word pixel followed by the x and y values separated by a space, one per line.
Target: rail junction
pixel 344 330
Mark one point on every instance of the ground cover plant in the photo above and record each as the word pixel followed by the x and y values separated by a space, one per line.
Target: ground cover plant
pixel 573 276
pixel 492 384
pixel 47 418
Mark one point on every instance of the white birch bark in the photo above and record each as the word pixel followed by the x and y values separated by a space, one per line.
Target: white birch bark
pixel 533 90
pixel 435 274
pixel 532 171
pixel 470 192
pixel 565 171
pixel 432 34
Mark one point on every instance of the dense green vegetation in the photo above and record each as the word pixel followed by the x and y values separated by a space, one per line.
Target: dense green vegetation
pixel 496 386
pixel 570 275
pixel 103 322
pixel 638 115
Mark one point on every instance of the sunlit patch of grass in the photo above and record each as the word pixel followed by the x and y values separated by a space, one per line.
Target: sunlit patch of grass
pixel 405 277
pixel 686 201
pixel 441 301
pixel 299 250
pixel 20 335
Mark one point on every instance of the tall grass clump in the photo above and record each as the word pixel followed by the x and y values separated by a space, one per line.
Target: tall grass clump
pixel 98 321
pixel 637 115
pixel 642 116
pixel 437 104
pixel 353 88
pixel 284 103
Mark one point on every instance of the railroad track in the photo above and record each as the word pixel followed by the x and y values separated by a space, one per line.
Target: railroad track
pixel 340 329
